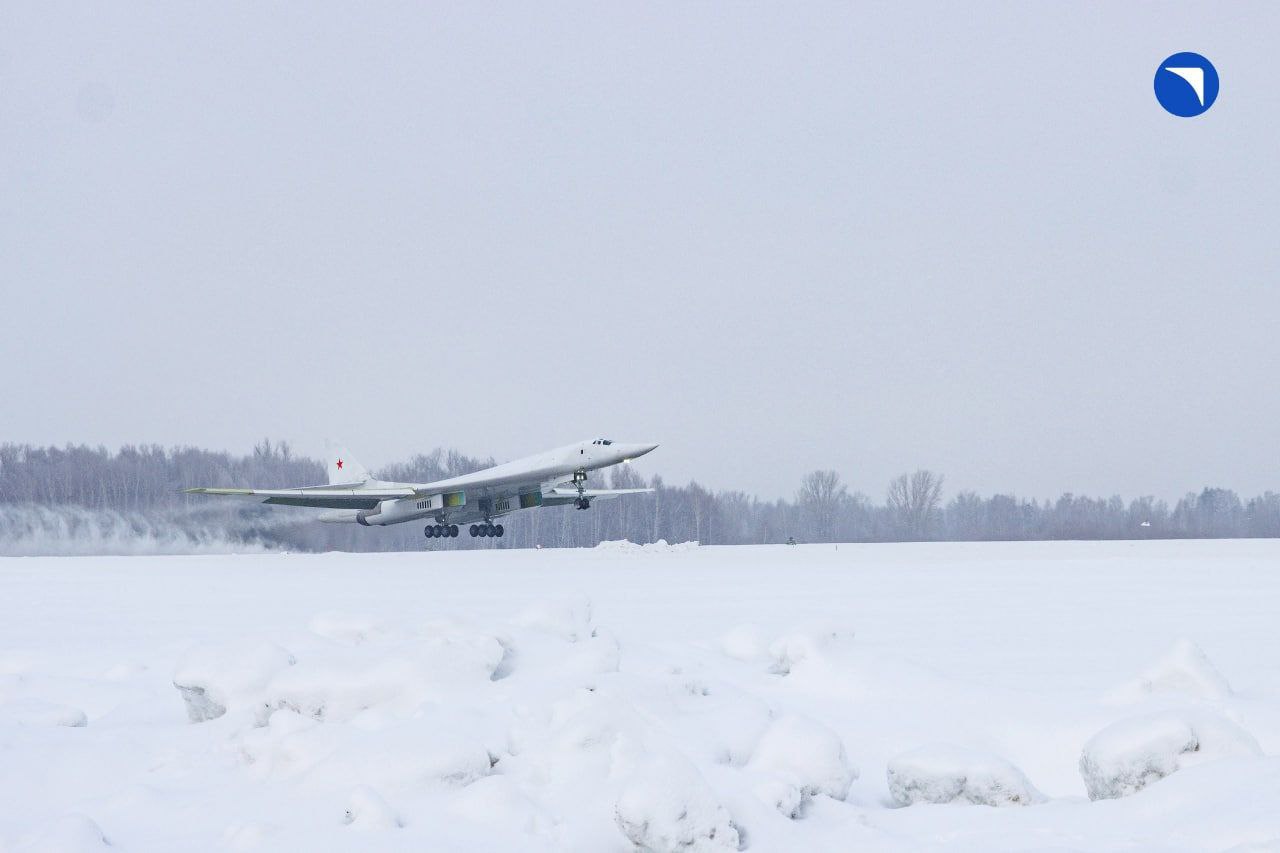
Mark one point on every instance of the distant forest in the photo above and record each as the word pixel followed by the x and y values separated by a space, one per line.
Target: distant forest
pixel 50 497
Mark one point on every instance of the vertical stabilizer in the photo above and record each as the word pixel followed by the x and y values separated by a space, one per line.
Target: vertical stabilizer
pixel 343 469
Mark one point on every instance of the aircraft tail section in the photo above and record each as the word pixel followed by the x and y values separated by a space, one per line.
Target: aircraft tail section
pixel 342 467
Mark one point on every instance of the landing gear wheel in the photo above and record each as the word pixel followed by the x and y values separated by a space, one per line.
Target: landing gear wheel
pixel 475 531
pixel 453 531
pixel 426 531
pixel 498 531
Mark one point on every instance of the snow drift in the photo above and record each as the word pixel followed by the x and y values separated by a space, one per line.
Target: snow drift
pixel 589 701
pixel 215 678
pixel 70 833
pixel 366 810
pixel 1185 669
pixel 37 712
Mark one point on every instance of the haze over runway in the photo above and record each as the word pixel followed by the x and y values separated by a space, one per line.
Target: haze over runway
pixel 867 238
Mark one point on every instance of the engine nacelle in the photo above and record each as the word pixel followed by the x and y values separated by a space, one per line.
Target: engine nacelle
pixel 408 509
pixel 340 516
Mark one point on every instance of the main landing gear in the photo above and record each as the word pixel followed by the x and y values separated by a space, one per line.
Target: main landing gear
pixel 440 531
pixel 487 530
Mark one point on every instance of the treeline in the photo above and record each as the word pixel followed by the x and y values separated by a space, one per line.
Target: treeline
pixel 140 488
pixel 914 510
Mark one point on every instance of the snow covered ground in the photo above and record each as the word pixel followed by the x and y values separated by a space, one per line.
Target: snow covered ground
pixel 1003 696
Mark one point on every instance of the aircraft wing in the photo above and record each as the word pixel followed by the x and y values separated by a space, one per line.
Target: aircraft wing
pixel 558 496
pixel 322 497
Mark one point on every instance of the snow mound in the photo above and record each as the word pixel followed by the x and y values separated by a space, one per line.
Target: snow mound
pixel 216 678
pixel 728 724
pixel 1131 754
pixel 71 833
pixel 667 807
pixel 419 753
pixel 36 712
pixel 743 642
pixel 124 671
pixel 368 811
pixel 351 628
pixel 568 618
pixel 591 721
pixel 1183 669
pixel 786 798
pixel 248 835
pixel 498 799
pixel 944 774
pixel 584 662
pixel 805 754
pixel 338 681
pixel 626 546
pixel 807 643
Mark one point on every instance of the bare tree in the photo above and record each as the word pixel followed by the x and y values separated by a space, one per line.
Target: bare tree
pixel 913 502
pixel 820 497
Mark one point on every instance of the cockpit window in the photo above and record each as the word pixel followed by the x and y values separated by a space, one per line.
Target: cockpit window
pixel 605 441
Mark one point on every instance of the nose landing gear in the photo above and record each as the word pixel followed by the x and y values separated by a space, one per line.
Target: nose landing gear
pixel 580 480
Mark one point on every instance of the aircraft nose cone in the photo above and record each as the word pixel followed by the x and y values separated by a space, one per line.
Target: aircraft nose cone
pixel 639 450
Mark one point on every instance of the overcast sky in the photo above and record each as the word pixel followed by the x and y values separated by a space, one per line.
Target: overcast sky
pixel 865 237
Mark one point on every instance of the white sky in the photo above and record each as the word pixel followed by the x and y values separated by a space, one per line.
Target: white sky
pixel 870 237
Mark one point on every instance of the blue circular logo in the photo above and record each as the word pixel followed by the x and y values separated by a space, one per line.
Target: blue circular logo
pixel 1186 84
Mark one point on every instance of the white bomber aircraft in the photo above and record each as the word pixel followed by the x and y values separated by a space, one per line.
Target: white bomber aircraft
pixel 554 478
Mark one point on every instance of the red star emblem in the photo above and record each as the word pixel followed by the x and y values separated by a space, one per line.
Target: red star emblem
pixel 339 464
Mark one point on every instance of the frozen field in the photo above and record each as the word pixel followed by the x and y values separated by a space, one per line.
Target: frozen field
pixel 683 698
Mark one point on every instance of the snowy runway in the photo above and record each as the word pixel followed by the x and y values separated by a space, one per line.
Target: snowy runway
pixel 764 698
